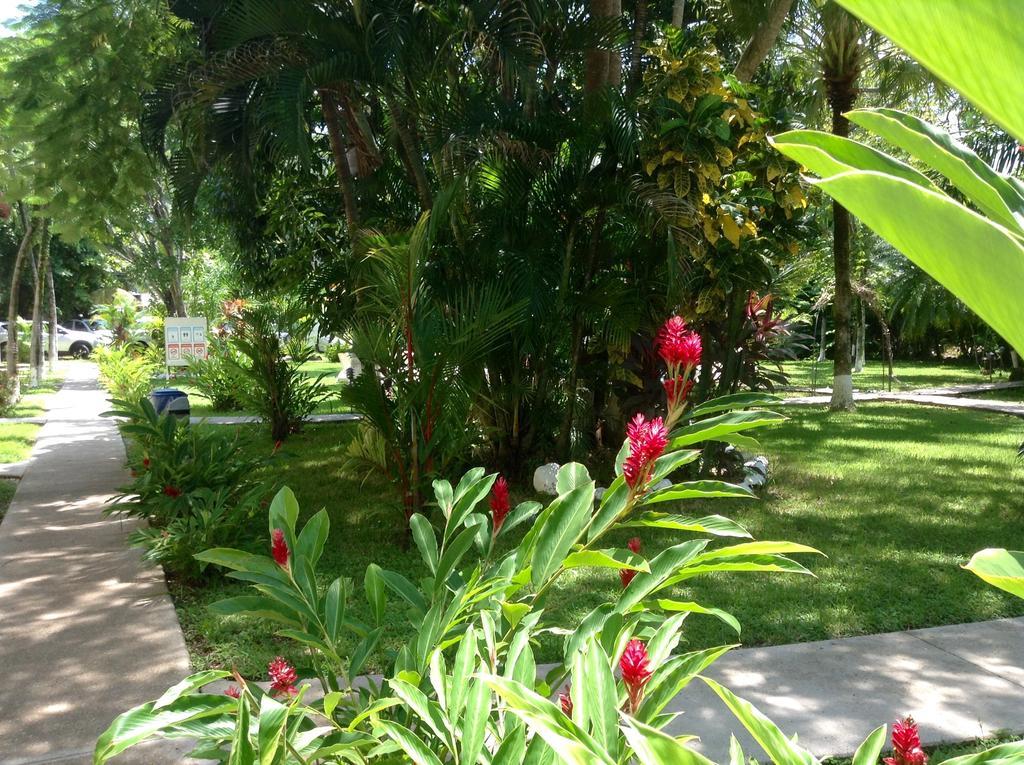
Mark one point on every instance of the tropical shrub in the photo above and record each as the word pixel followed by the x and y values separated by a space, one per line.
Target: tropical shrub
pixel 8 388
pixel 121 315
pixel 217 377
pixel 125 371
pixel 423 362
pixel 270 365
pixel 332 352
pixel 195 487
pixel 465 685
pixel 213 517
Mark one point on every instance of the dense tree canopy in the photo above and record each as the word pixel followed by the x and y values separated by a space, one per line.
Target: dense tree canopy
pixel 575 171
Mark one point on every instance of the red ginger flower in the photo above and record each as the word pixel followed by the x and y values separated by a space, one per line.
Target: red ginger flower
pixel 279 548
pixel 172 491
pixel 627 574
pixel 145 462
pixel 282 677
pixel 678 346
pixel 647 440
pixel 565 701
pixel 906 744
pixel 499 503
pixel 635 671
pixel 677 391
pixel 233 692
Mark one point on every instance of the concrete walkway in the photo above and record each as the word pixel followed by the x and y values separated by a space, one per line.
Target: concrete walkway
pixel 959 682
pixel 86 631
pixel 950 396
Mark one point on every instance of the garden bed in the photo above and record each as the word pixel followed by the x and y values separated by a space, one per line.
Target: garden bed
pixel 871 489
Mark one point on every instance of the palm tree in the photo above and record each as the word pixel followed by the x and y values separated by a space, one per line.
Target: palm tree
pixel 840 59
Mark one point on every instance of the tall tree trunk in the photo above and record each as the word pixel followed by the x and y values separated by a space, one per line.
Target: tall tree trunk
pixel 576 343
pixel 603 65
pixel 329 105
pixel 761 42
pixel 52 334
pixel 636 54
pixel 39 267
pixel 678 12
pixel 842 377
pixel 31 225
pixel 410 147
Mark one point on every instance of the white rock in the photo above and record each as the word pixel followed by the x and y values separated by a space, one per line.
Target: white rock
pixel 753 480
pixel 758 464
pixel 351 367
pixel 545 479
pixel 599 492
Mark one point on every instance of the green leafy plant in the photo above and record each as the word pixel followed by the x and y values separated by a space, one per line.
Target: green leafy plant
pixel 423 359
pixel 125 371
pixel 932 228
pixel 194 486
pixel 271 365
pixel 333 351
pixel 121 316
pixel 465 686
pixel 217 377
pixel 214 517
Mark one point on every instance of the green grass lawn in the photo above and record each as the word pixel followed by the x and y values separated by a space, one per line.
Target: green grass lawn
pixel 897 497
pixel 33 400
pixel 1007 394
pixel 202 407
pixel 7 489
pixel 16 441
pixel 909 375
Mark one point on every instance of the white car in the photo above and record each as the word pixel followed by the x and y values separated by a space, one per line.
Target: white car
pixel 70 342
pixel 94 326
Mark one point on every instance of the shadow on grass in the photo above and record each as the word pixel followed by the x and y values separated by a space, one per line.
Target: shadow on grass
pixel 897 497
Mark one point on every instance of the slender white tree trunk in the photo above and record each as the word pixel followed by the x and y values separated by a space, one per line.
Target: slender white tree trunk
pixel 39 268
pixel 824 329
pixel 842 392
pixel 858 364
pixel 52 299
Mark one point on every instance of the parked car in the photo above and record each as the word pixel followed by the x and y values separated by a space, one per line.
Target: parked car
pixel 96 327
pixel 69 342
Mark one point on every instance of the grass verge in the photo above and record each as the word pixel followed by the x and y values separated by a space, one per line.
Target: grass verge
pixel 897 497
pixel 7 488
pixel 17 440
pixel 909 375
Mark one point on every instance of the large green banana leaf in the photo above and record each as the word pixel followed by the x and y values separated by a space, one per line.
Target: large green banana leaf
pixel 977 259
pixel 974 45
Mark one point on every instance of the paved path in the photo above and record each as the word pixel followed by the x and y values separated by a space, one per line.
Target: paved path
pixel 949 396
pixel 959 682
pixel 85 630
